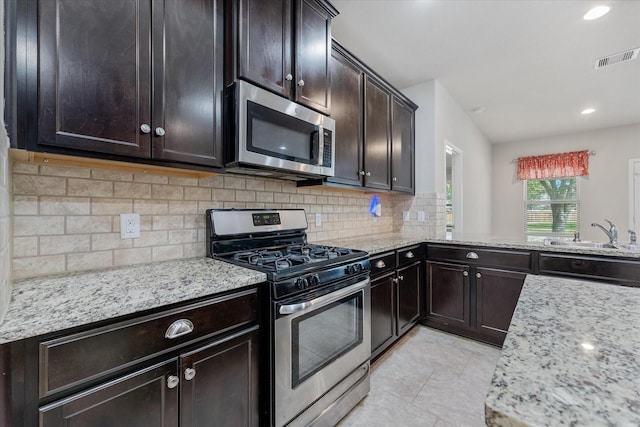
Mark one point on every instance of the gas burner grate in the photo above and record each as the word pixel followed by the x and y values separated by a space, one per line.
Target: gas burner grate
pixel 318 251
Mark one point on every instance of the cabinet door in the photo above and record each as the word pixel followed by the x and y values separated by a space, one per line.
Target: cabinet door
pixel 94 75
pixel 264 43
pixel 497 295
pixel 448 294
pixel 408 296
pixel 138 400
pixel 382 313
pixel 376 135
pixel 402 149
pixel 313 50
pixel 346 110
pixel 188 51
pixel 220 384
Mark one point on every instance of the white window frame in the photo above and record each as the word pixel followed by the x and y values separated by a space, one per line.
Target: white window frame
pixel 538 202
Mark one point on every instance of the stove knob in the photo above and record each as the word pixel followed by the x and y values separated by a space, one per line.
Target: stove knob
pixel 302 283
pixel 350 269
pixel 314 280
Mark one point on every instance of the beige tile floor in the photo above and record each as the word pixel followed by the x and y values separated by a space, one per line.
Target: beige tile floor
pixel 428 379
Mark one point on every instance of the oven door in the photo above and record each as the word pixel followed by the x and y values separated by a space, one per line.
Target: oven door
pixel 318 343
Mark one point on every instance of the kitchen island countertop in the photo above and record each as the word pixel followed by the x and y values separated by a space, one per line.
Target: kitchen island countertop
pixel 43 305
pixel 571 357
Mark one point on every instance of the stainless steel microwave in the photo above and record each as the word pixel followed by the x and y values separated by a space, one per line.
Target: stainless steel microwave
pixel 266 132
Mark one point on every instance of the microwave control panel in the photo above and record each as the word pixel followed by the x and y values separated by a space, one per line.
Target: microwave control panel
pixel 327 148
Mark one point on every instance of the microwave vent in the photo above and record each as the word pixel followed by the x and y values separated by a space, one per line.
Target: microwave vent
pixel 617 58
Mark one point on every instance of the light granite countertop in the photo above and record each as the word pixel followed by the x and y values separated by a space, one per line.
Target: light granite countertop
pixel 571 357
pixel 43 305
pixel 390 241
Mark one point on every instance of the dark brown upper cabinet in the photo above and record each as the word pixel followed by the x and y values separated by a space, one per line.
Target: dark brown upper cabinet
pixel 402 146
pixel 374 129
pixel 283 46
pixel 136 79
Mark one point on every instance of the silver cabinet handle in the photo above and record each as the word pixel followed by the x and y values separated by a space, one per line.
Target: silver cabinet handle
pixel 189 373
pixel 465 273
pixel 409 255
pixel 400 277
pixel 300 82
pixel 179 328
pixel 394 280
pixel 380 264
pixel 145 128
pixel 368 173
pixel 173 381
pixel 288 77
pixel 395 179
pixel 472 255
pixel 160 131
pixel 362 173
pixel 478 275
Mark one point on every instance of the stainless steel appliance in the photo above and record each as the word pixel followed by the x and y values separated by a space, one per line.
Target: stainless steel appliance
pixel 266 132
pixel 319 311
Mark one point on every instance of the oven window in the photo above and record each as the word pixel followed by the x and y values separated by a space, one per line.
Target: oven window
pixel 279 135
pixel 321 336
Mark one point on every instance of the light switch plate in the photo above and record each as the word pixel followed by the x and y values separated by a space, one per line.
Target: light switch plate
pixel 406 215
pixel 421 216
pixel 129 226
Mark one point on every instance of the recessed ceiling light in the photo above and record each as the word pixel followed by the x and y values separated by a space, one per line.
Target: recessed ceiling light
pixel 596 12
pixel 588 111
pixel 477 110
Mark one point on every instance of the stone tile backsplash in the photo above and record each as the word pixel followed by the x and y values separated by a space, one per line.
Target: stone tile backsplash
pixel 66 219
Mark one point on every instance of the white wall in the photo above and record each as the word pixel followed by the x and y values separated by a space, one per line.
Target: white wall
pixel 441 119
pixel 603 194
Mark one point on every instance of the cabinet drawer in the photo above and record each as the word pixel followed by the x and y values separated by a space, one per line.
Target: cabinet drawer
pixel 70 360
pixel 409 255
pixel 626 272
pixel 509 259
pixel 383 263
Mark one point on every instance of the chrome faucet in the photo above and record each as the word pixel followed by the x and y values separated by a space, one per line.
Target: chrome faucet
pixel 632 237
pixel 612 232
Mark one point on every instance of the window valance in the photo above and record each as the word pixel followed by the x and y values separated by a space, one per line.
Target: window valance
pixel 575 163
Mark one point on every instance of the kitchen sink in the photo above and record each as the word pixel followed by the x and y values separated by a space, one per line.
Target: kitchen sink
pixel 582 244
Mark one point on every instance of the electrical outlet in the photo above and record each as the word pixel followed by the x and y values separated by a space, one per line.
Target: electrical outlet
pixel 406 215
pixel 421 216
pixel 129 226
pixel 318 220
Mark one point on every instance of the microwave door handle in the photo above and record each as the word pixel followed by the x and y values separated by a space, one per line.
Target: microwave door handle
pixel 315 146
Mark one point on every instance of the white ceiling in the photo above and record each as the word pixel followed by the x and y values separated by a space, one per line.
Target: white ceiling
pixel 528 63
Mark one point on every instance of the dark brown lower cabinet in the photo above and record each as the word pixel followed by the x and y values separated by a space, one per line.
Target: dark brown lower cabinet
pixel 142 398
pixel 448 290
pixel 216 385
pixel 497 293
pixel 220 384
pixel 409 279
pixel 477 302
pixel 382 313
pixel 396 290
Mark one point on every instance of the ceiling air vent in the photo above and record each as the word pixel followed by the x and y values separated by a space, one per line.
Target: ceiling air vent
pixel 617 58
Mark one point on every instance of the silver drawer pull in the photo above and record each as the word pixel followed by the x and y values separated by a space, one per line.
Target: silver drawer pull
pixel 465 273
pixel 173 381
pixel 478 275
pixel 189 374
pixel 179 328
pixel 409 254
pixel 380 264
pixel 472 255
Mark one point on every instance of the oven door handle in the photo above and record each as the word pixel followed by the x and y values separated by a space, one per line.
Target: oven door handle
pixel 323 300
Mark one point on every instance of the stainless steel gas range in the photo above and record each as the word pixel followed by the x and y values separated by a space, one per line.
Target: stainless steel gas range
pixel 319 311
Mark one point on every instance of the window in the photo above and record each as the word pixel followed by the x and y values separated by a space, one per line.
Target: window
pixel 551 206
